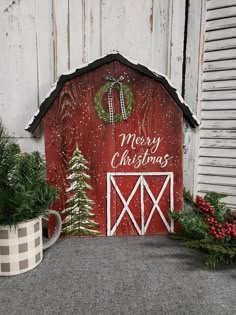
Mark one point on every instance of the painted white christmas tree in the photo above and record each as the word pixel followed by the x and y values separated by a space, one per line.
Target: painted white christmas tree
pixel 78 216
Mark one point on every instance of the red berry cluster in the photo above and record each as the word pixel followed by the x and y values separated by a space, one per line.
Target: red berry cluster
pixel 219 231
pixel 204 206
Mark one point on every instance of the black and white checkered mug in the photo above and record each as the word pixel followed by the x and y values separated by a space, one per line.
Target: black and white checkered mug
pixel 21 247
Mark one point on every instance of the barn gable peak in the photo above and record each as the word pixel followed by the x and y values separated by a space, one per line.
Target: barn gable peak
pixel 114 56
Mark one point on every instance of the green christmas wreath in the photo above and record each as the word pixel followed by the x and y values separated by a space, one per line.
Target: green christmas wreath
pixel 129 101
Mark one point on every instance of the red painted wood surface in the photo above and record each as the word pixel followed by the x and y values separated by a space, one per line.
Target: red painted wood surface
pixel 72 118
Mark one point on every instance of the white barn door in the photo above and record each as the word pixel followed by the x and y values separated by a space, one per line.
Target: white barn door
pixel 145 213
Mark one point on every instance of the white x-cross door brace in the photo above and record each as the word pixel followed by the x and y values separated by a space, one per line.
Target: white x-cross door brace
pixel 143 185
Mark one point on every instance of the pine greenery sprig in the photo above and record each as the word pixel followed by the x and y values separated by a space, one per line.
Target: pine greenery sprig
pixel 205 227
pixel 188 198
pixel 24 192
pixel 191 222
pixel 8 157
pixel 221 211
pixel 217 253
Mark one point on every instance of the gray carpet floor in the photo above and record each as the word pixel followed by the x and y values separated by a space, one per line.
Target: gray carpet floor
pixel 120 275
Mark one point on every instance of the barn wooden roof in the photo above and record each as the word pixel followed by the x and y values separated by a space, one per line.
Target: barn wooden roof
pixel 57 86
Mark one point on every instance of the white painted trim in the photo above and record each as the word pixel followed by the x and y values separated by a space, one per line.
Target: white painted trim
pixel 126 206
pixel 139 173
pixel 108 207
pixel 172 200
pixel 143 184
pixel 142 204
pixel 155 203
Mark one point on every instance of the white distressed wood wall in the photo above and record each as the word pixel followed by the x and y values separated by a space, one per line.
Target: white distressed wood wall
pixel 216 169
pixel 40 39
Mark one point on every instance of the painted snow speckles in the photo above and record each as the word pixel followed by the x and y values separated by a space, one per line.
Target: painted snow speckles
pixel 148 142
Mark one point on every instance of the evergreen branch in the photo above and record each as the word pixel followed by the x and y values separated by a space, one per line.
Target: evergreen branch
pixel 24 192
pixel 188 198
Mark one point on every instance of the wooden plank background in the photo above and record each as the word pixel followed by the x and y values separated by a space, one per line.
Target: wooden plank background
pixel 40 39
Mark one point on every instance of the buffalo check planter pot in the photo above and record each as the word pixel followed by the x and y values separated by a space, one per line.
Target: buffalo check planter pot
pixel 21 247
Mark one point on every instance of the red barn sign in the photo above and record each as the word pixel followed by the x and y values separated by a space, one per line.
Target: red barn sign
pixel 128 123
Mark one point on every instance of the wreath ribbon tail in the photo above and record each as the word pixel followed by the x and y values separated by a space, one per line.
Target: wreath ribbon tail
pixel 122 103
pixel 110 106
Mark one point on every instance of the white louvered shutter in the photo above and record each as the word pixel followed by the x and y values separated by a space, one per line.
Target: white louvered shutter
pixel 217 143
